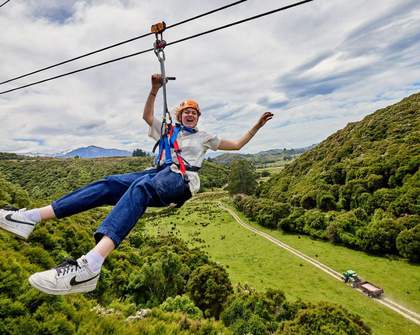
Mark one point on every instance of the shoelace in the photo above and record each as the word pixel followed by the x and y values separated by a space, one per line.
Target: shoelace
pixel 69 265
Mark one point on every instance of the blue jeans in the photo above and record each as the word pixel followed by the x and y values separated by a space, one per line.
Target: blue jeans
pixel 130 194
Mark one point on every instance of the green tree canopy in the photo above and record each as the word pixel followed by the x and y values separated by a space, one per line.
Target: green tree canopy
pixel 242 178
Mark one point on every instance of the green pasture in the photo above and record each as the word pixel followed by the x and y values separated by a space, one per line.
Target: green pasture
pixel 254 260
pixel 273 169
pixel 400 279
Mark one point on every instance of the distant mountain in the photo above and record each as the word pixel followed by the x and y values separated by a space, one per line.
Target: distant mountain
pixel 262 157
pixel 93 152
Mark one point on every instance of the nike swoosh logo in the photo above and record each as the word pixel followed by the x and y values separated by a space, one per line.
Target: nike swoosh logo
pixel 74 282
pixel 9 218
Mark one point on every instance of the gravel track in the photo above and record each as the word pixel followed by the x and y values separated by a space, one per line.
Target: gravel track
pixel 405 312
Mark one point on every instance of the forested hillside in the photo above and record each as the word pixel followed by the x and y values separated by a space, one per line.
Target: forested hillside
pixel 150 285
pixel 359 187
pixel 262 158
pixel 47 178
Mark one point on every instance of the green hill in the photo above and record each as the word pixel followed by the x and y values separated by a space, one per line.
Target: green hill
pixel 359 187
pixel 262 158
pixel 149 285
pixel 48 178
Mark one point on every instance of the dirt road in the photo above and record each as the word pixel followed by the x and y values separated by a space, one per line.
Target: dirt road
pixel 405 312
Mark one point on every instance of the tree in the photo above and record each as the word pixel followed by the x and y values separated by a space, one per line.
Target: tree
pixel 325 201
pixel 251 312
pixel 209 286
pixel 140 153
pixel 380 236
pixel 408 243
pixel 161 276
pixel 242 178
pixel 324 319
pixel 182 304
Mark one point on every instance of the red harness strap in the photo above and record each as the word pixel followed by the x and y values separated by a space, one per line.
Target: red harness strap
pixel 177 152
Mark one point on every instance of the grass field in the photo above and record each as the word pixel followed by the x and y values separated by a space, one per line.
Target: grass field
pixel 256 261
pixel 271 169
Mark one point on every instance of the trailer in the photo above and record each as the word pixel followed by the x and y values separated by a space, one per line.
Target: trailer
pixel 366 287
pixel 370 289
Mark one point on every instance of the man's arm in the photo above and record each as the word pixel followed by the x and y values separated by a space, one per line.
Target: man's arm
pixel 238 144
pixel 149 107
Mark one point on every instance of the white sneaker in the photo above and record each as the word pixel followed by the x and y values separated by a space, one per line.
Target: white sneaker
pixel 14 221
pixel 69 277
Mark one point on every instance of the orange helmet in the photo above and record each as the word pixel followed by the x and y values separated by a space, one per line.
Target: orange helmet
pixel 184 105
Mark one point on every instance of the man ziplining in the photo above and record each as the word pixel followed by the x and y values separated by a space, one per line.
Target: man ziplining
pixel 174 180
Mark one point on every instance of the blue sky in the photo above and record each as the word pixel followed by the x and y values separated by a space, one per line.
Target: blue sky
pixel 316 67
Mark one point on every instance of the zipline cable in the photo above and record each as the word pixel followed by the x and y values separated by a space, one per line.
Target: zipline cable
pixel 121 43
pixel 170 43
pixel 4 3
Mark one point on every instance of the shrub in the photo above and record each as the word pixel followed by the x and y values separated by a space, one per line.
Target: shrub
pixel 242 178
pixel 380 236
pixel 408 243
pixel 270 212
pixel 308 201
pixel 182 304
pixel 294 222
pixel 250 312
pixel 315 223
pixel 324 319
pixel 343 228
pixel 209 286
pixel 325 201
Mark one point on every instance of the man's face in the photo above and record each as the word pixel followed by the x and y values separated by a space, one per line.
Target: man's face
pixel 189 117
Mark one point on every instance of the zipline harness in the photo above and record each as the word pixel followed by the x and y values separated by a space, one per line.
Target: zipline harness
pixel 169 132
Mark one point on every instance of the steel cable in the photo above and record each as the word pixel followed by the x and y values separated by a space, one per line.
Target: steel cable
pixel 168 44
pixel 119 43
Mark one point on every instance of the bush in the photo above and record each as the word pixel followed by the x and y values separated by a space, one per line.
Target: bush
pixel 182 304
pixel 325 201
pixel 308 201
pixel 324 319
pixel 294 222
pixel 250 312
pixel 380 236
pixel 161 276
pixel 208 287
pixel 408 243
pixel 242 178
pixel 315 223
pixel 270 212
pixel 343 228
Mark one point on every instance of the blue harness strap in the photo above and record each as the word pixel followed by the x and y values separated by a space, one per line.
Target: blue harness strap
pixel 167 146
pixel 175 132
pixel 167 141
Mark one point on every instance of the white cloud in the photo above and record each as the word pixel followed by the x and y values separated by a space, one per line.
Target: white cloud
pixel 316 67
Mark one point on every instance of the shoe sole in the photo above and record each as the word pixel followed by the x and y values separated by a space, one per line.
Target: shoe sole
pixel 83 289
pixel 12 230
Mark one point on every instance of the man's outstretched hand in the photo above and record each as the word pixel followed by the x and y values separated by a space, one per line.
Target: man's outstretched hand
pixel 264 118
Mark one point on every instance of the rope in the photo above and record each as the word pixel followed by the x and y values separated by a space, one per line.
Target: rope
pixel 170 43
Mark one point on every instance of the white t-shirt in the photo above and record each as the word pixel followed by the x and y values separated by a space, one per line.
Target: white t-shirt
pixel 193 148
